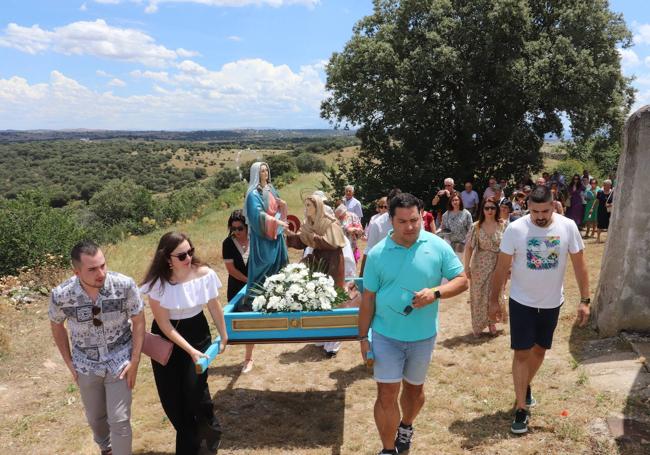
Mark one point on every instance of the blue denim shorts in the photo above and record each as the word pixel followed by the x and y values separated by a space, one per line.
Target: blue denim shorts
pixel 396 360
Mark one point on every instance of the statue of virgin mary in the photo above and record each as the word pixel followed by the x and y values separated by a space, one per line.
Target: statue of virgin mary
pixel 266 217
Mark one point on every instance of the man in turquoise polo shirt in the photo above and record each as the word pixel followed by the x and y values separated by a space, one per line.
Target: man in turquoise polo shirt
pixel 400 301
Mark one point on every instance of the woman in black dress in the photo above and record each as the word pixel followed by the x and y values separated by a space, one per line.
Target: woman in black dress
pixel 605 200
pixel 234 250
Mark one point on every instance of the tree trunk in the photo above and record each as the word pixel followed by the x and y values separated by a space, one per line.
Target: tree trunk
pixel 623 297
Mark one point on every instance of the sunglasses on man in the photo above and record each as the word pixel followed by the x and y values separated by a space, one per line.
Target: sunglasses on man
pixel 96 321
pixel 183 256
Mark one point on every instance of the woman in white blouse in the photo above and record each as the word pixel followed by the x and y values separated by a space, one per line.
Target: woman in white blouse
pixel 178 286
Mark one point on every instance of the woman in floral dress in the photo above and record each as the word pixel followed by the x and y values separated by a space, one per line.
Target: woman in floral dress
pixel 481 252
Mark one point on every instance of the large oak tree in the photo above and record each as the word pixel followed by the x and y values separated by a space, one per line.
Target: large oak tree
pixel 460 88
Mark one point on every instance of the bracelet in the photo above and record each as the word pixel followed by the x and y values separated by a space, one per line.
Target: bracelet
pixel 585 300
pixel 363 338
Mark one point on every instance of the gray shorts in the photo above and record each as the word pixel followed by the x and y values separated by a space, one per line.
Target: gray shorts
pixel 401 360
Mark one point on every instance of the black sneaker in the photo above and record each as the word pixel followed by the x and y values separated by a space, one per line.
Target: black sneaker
pixel 388 452
pixel 520 424
pixel 531 402
pixel 404 436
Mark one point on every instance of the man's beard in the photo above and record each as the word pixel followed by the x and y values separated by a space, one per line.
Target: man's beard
pixel 541 222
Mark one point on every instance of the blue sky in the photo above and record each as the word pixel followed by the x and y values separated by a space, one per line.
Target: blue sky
pixel 191 64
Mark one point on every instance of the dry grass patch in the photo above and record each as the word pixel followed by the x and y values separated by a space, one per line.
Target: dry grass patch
pixel 298 402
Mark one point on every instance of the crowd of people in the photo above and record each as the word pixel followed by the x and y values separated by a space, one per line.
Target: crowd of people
pixel 412 259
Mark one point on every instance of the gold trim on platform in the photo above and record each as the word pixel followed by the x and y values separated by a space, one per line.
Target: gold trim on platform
pixel 251 325
pixel 330 322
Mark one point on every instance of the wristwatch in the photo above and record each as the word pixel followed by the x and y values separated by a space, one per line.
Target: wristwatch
pixel 585 300
pixel 363 338
pixel 436 293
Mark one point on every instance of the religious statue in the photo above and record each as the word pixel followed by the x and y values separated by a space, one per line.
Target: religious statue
pixel 266 217
pixel 324 235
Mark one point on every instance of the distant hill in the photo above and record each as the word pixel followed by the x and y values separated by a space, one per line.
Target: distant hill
pixel 198 135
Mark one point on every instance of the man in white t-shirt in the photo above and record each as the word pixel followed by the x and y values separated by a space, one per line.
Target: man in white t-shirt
pixel 536 246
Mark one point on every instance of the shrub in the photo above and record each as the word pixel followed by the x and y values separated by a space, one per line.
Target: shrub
pixel 30 230
pixel 224 178
pixel 569 167
pixel 122 200
pixel 183 204
pixel 309 162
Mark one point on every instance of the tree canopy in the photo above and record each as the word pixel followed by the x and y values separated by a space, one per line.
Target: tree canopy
pixel 459 88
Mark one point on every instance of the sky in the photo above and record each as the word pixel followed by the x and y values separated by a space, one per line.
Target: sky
pixel 193 64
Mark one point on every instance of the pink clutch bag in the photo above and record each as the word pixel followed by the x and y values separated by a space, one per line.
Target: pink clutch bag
pixel 158 348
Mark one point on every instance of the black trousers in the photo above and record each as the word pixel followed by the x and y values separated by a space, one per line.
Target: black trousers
pixel 183 393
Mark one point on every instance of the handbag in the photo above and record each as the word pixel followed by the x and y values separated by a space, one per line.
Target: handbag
pixel 157 347
pixel 609 208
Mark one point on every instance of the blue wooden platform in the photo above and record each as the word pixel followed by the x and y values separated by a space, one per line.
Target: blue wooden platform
pixel 290 327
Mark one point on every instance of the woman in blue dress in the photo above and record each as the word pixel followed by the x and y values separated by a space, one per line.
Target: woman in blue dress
pixel 266 216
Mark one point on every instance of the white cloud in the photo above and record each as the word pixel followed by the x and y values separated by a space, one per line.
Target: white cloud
pixel 92 38
pixel 109 2
pixel 629 58
pixel 160 76
pixel 233 38
pixel 643 34
pixel 152 7
pixel 183 53
pixel 102 73
pixel 115 82
pixel 83 7
pixel 188 66
pixel 245 93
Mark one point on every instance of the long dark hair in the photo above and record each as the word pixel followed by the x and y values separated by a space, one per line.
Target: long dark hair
pixel 159 269
pixel 481 215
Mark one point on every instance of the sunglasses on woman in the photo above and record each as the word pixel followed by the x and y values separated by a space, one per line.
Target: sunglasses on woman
pixel 237 229
pixel 489 207
pixel 382 206
pixel 182 256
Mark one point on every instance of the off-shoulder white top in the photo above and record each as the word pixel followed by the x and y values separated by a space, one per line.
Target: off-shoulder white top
pixel 185 300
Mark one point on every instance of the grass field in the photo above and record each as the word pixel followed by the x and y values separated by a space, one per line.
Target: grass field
pixel 298 402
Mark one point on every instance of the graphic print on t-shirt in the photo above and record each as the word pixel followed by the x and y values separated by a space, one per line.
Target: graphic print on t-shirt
pixel 543 253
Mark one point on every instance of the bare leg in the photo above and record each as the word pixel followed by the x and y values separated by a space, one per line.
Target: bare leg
pixel 535 361
pixel 598 235
pixel 411 401
pixel 387 413
pixel 248 359
pixel 521 375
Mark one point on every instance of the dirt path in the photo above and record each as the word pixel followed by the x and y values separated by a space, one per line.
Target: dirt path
pixel 297 402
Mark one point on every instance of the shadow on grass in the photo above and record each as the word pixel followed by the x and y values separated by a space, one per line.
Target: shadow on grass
pixel 271 421
pixel 308 353
pixel 469 340
pixel 488 429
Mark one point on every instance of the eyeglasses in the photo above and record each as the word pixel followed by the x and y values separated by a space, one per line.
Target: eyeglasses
pixel 183 256
pixel 382 206
pixel 96 321
pixel 237 228
pixel 489 207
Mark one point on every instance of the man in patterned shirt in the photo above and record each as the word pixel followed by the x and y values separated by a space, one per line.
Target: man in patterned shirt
pixel 97 306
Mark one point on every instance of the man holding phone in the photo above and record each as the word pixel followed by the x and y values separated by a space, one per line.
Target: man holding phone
pixel 400 302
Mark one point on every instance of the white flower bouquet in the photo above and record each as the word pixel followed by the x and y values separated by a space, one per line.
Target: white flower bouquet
pixel 297 288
